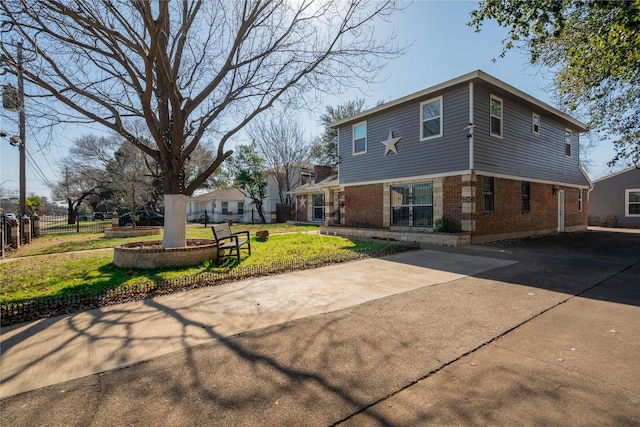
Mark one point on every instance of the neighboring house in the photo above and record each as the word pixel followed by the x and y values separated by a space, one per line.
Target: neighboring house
pixel 310 199
pixel 280 181
pixel 217 204
pixel 615 199
pixel 494 161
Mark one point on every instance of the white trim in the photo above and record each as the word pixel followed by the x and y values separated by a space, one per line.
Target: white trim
pixel 440 116
pixel 462 172
pixel 535 116
pixel 525 178
pixel 478 74
pixel 564 142
pixel 626 202
pixel 353 138
pixel 408 178
pixel 471 162
pixel 491 99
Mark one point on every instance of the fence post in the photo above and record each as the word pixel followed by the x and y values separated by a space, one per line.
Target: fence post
pixel 230 218
pixel 26 226
pixel 206 218
pixel 36 225
pixel 15 234
pixel 114 220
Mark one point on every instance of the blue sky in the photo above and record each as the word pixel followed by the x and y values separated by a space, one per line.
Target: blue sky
pixel 443 47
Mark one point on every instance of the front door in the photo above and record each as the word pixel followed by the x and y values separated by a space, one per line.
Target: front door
pixel 561 211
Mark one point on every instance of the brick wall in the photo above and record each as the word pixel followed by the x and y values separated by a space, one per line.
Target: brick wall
pixel 452 199
pixel 508 217
pixel 364 206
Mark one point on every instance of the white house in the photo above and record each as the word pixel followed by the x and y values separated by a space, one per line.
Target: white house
pixel 217 204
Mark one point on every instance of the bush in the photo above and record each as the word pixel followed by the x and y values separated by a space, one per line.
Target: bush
pixel 445 225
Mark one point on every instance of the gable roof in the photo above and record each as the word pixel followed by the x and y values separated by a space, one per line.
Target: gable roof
pixel 475 75
pixel 231 193
pixel 617 173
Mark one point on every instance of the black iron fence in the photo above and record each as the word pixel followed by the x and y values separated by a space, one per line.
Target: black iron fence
pixel 56 224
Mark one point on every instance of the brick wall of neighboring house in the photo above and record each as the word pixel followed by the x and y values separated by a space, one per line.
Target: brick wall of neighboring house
pixel 508 219
pixel 302 212
pixel 364 206
pixel 452 199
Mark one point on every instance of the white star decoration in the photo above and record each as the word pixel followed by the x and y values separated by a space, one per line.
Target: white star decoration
pixel 303 202
pixel 390 143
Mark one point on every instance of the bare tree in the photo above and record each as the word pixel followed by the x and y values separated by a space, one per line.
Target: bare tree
pixel 285 150
pixel 188 67
pixel 76 184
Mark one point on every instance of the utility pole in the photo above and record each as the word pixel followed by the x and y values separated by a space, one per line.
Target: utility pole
pixel 22 147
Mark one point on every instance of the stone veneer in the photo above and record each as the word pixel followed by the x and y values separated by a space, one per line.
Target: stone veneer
pixel 149 255
pixel 444 239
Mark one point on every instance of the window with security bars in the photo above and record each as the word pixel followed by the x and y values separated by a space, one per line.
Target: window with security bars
pixel 412 205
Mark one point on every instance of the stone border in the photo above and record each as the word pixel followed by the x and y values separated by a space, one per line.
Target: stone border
pixel 120 232
pixel 431 238
pixel 150 255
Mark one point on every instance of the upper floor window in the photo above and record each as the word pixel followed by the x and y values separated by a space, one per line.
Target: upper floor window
pixel 535 123
pixel 360 138
pixel 431 118
pixel 488 193
pixel 632 202
pixel 496 116
pixel 567 142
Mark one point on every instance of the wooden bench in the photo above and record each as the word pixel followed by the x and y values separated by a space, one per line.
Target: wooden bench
pixel 225 239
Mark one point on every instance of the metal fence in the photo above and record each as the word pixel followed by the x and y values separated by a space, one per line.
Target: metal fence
pixel 57 224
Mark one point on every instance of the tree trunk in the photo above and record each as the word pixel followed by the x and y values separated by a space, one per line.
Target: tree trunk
pixel 71 213
pixel 175 221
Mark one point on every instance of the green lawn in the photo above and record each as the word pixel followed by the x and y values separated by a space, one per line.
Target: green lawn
pixel 63 272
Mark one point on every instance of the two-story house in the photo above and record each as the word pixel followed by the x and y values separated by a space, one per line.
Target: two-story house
pixel 475 152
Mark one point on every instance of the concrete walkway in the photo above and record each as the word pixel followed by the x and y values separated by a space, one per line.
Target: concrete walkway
pixel 540 332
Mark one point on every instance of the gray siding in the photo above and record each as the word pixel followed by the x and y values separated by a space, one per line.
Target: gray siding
pixel 447 153
pixel 521 152
pixel 608 198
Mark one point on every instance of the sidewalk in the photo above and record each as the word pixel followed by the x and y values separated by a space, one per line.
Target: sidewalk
pixel 450 336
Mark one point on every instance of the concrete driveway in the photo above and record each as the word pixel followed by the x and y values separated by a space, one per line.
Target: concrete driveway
pixel 544 331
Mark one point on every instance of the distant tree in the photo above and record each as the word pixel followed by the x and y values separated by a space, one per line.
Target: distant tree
pixel 132 179
pixel 593 47
pixel 189 68
pixel 76 184
pixel 35 204
pixel 248 171
pixel 325 150
pixel 285 150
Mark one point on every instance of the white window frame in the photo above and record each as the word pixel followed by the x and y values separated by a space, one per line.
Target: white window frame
pixel 439 116
pixel 491 99
pixel 225 208
pixel 626 201
pixel 580 199
pixel 240 207
pixel 353 138
pixel 535 116
pixel 570 145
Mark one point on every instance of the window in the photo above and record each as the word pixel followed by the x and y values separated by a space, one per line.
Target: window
pixel 496 116
pixel 360 138
pixel 225 208
pixel 318 207
pixel 431 118
pixel 526 196
pixel 579 199
pixel 567 142
pixel 535 123
pixel 240 208
pixel 412 205
pixel 488 192
pixel 632 202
